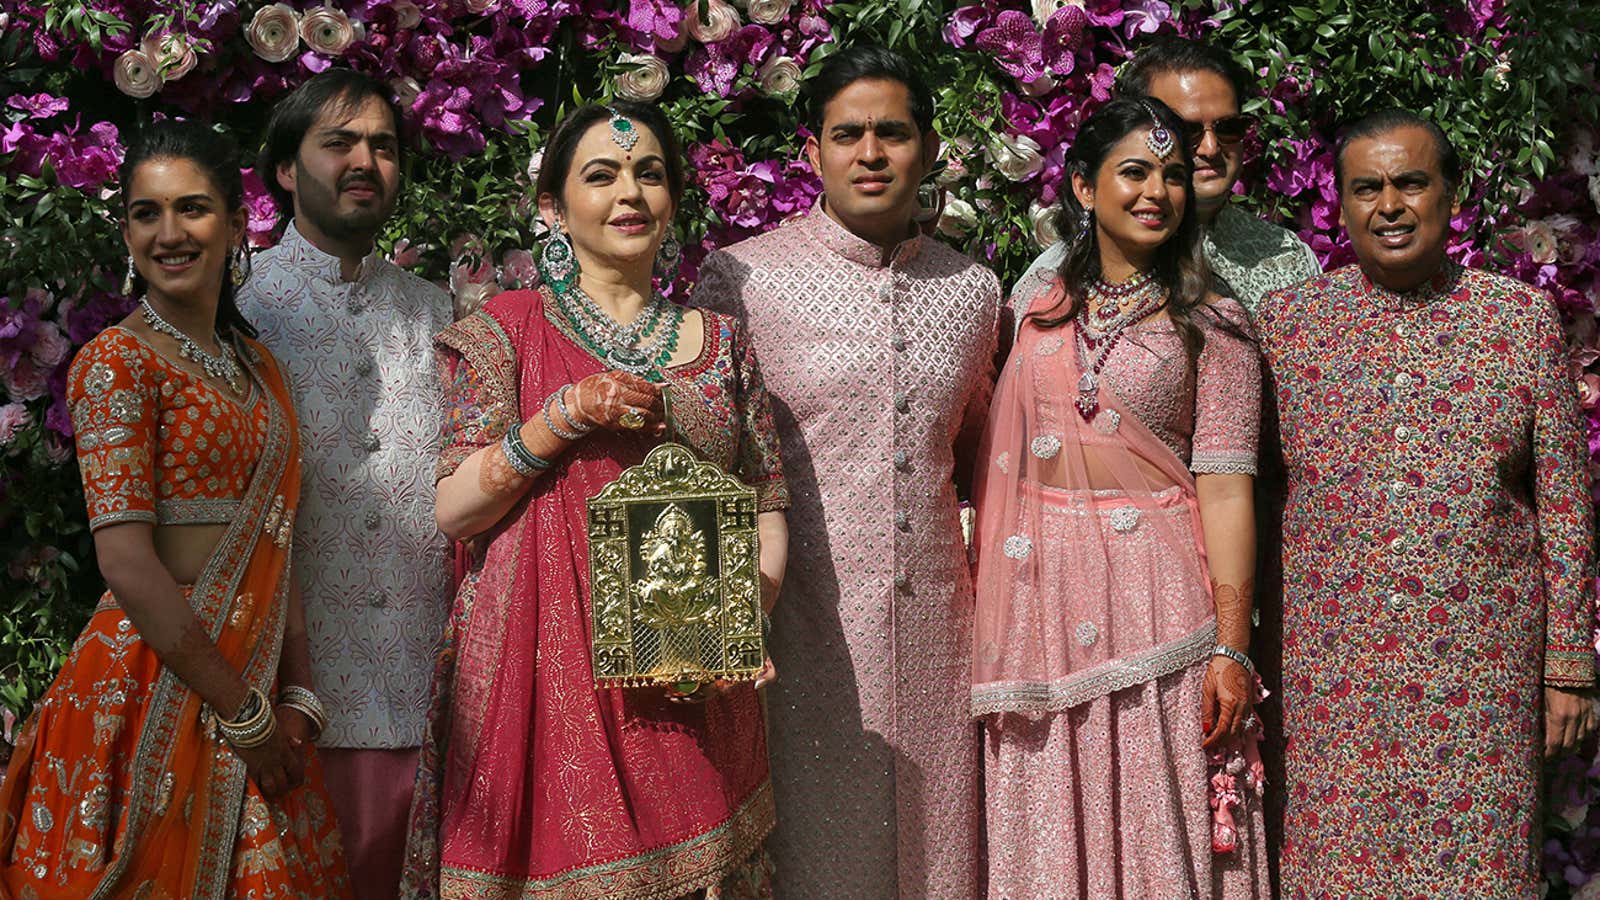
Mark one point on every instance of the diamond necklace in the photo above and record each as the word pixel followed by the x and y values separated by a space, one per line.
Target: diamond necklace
pixel 220 365
pixel 1112 296
pixel 604 337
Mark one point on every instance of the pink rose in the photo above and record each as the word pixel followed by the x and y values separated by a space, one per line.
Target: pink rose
pixel 172 53
pixel 406 14
pixel 327 31
pixel 1589 391
pixel 405 254
pixel 14 417
pixel 518 270
pixel 723 21
pixel 274 32
pixel 135 74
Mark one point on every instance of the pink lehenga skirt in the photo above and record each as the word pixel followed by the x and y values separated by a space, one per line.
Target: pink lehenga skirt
pixel 1107 796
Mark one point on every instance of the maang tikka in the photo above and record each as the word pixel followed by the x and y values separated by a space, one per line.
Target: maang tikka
pixel 1160 140
pixel 623 132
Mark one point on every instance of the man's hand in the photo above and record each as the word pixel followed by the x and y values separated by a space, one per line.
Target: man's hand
pixel 1568 720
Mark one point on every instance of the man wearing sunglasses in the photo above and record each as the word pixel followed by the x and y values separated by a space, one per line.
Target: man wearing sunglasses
pixel 1205 86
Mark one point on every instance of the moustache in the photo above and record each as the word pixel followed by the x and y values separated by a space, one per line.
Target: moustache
pixel 358 180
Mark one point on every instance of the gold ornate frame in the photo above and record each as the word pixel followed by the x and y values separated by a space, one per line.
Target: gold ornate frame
pixel 674 575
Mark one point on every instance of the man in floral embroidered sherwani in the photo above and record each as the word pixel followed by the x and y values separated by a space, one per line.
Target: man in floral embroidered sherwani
pixel 1438 569
pixel 355 334
pixel 878 345
pixel 1206 88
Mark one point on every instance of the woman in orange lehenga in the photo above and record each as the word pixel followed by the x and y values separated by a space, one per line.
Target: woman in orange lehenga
pixel 156 766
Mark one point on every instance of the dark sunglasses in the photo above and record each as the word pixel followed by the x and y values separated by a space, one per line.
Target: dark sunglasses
pixel 1229 130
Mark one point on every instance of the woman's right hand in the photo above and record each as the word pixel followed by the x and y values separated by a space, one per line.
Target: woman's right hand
pixel 277 766
pixel 617 401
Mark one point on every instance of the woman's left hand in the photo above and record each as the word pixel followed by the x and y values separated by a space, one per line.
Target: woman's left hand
pixel 1224 701
pixel 296 726
pixel 722 686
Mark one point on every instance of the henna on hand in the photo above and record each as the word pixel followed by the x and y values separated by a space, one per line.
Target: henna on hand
pixel 495 474
pixel 601 400
pixel 1233 605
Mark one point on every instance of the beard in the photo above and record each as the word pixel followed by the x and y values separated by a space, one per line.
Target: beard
pixel 318 202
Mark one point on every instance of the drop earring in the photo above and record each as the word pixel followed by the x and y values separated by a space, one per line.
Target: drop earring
pixel 668 256
pixel 558 265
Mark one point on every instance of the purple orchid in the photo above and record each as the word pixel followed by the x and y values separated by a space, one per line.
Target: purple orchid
pixel 39 106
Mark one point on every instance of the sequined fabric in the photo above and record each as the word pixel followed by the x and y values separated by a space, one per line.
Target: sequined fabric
pixel 1438 573
pixel 134 412
pixel 372 566
pixel 877 373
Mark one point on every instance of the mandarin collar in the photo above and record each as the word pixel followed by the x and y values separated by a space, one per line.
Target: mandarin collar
pixel 840 240
pixel 310 258
pixel 1443 283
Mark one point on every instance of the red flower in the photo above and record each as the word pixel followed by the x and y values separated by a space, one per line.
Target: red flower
pixel 1439 720
pixel 1437 615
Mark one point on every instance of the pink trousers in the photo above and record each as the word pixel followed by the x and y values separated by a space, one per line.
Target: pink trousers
pixel 371 793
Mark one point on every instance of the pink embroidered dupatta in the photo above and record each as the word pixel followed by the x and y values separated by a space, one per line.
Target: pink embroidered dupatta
pixel 1091 571
pixel 533 783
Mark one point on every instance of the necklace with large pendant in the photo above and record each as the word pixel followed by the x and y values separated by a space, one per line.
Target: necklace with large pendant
pixel 618 345
pixel 1094 349
pixel 219 365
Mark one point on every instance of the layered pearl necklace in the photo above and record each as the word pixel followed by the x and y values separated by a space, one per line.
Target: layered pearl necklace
pixel 1130 302
pixel 221 365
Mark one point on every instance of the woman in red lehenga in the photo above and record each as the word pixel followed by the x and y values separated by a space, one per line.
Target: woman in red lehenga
pixel 1115 551
pixel 533 783
pixel 156 766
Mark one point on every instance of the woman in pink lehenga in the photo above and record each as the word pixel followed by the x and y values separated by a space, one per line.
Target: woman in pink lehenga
pixel 1115 550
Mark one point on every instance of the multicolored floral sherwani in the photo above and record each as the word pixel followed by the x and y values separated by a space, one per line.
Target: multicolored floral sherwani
pixel 877 371
pixel 1437 576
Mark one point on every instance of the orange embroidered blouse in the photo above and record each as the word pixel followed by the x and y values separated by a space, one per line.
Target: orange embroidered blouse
pixel 156 443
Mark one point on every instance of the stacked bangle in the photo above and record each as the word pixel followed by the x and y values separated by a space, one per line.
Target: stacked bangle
pixel 304 700
pixel 524 461
pixel 1236 656
pixel 550 423
pixel 561 407
pixel 254 724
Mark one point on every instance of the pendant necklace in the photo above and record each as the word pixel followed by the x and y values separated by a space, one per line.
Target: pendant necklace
pixel 1112 296
pixel 618 345
pixel 1094 346
pixel 221 365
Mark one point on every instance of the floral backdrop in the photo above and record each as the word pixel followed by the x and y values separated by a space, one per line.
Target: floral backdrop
pixel 1512 81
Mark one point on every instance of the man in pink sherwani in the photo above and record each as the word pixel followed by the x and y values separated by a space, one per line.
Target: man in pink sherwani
pixel 877 344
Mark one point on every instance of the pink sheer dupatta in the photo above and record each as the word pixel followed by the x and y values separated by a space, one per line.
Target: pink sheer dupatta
pixel 1091 571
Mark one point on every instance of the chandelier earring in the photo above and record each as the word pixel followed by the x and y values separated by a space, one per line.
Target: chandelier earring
pixel 238 267
pixel 668 257
pixel 558 265
pixel 1085 222
pixel 127 280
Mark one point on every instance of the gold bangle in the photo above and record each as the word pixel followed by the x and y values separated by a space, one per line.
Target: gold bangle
pixel 255 724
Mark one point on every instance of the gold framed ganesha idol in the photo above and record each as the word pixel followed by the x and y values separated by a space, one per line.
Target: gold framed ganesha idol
pixel 674 575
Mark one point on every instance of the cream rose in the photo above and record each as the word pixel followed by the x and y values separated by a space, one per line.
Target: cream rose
pixel 723 21
pixel 1540 240
pixel 274 32
pixel 645 78
pixel 954 171
pixel 779 76
pixel 535 163
pixel 135 74
pixel 1044 9
pixel 1594 195
pixel 172 54
pixel 480 6
pixel 406 14
pixel 406 91
pixel 1044 224
pixel 327 31
pixel 958 218
pixel 1016 156
pixel 769 12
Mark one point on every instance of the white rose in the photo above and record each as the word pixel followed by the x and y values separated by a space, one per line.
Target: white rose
pixel 1016 156
pixel 135 74
pixel 954 171
pixel 327 31
pixel 1040 86
pixel 779 76
pixel 645 80
pixel 172 54
pixel 1044 9
pixel 958 218
pixel 274 32
pixel 480 6
pixel 406 92
pixel 535 163
pixel 5 20
pixel 1540 240
pixel 1594 190
pixel 406 14
pixel 769 12
pixel 1044 224
pixel 723 21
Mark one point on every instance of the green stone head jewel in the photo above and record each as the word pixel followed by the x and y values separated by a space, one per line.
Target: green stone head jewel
pixel 623 132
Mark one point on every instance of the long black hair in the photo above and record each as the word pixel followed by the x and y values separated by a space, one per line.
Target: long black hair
pixel 1180 264
pixel 218 157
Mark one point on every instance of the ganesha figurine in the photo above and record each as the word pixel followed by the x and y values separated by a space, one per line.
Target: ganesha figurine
pixel 674 575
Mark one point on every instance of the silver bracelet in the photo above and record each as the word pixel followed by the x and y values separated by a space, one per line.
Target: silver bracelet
pixel 305 700
pixel 1236 656
pixel 550 423
pixel 561 407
